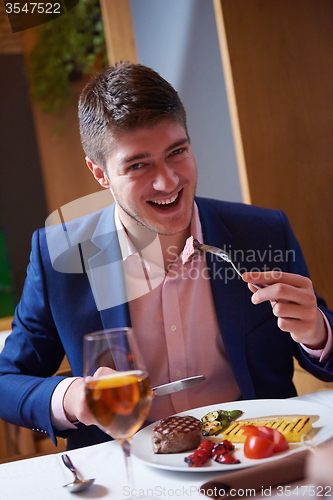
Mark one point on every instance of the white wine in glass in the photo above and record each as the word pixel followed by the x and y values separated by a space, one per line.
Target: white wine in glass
pixel 116 384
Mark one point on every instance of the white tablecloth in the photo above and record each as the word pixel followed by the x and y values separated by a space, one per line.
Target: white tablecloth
pixel 42 478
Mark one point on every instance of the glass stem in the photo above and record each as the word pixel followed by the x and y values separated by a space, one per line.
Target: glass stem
pixel 126 446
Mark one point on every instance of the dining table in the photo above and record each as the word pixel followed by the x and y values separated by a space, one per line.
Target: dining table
pixel 43 477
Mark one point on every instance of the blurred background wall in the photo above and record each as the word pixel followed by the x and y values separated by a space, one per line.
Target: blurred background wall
pixel 179 40
pixel 281 71
pixel 22 196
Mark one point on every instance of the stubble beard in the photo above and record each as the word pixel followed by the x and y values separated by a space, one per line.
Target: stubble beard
pixel 137 220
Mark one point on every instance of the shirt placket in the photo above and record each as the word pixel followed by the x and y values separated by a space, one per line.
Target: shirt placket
pixel 174 340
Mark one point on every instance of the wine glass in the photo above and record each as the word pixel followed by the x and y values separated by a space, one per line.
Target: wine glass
pixel 118 400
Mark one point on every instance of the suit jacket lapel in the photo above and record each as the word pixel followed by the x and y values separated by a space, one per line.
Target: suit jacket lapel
pixel 228 290
pixel 105 273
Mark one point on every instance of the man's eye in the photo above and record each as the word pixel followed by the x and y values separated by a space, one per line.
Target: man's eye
pixel 178 151
pixel 135 166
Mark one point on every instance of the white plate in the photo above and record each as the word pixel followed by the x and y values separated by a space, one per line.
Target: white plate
pixel 323 430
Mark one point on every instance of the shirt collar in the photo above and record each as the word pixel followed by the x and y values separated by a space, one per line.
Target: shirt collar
pixel 126 246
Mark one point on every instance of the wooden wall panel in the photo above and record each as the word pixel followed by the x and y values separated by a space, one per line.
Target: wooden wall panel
pixel 66 177
pixel 65 174
pixel 281 59
pixel 119 33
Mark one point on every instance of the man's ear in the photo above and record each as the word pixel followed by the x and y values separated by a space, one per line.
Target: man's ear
pixel 98 173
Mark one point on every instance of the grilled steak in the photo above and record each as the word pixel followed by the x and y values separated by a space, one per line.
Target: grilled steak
pixel 176 434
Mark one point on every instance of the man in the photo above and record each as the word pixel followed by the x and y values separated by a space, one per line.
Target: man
pixel 190 319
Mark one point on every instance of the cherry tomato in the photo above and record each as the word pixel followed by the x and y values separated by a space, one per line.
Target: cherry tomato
pixel 258 447
pixel 280 441
pixel 250 430
pixel 266 432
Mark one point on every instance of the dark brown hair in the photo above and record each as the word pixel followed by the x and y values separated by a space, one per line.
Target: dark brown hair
pixel 120 99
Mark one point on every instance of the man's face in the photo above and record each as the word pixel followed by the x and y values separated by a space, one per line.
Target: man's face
pixel 152 175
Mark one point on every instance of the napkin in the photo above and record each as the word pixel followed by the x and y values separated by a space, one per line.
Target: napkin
pixel 259 478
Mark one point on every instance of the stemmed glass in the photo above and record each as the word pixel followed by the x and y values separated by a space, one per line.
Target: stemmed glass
pixel 118 400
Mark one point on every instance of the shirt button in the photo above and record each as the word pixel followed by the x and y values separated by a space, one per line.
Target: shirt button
pixel 173 328
pixel 178 373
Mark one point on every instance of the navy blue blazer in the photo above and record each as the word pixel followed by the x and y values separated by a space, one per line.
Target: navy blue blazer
pixel 61 302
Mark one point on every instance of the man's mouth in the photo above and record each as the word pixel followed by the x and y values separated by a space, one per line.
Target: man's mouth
pixel 164 204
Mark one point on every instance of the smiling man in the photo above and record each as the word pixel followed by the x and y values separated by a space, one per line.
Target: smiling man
pixel 152 175
pixel 122 266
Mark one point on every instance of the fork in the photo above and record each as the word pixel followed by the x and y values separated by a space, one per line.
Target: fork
pixel 220 253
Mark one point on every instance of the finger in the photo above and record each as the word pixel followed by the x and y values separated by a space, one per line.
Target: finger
pixel 290 325
pixel 290 310
pixel 103 370
pixel 275 293
pixel 301 331
pixel 299 321
pixel 254 287
pixel 281 292
pixel 270 277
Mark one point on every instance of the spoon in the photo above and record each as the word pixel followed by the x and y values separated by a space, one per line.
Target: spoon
pixel 78 484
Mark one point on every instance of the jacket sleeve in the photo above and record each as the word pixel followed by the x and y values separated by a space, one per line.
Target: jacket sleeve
pixel 297 265
pixel 32 354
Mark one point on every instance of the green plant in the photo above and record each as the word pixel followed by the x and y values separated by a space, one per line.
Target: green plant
pixel 67 48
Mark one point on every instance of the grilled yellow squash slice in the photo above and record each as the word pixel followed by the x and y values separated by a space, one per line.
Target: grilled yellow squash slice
pixel 293 428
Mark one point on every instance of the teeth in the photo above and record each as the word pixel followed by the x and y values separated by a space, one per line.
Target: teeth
pixel 166 202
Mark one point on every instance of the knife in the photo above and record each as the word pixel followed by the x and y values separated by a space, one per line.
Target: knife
pixel 178 385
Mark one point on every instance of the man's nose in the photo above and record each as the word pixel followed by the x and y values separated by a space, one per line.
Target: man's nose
pixel 165 178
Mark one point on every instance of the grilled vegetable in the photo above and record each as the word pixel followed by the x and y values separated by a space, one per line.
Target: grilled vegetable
pixel 221 453
pixel 201 454
pixel 211 427
pixel 233 414
pixel 212 415
pixel 293 428
pixel 217 421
